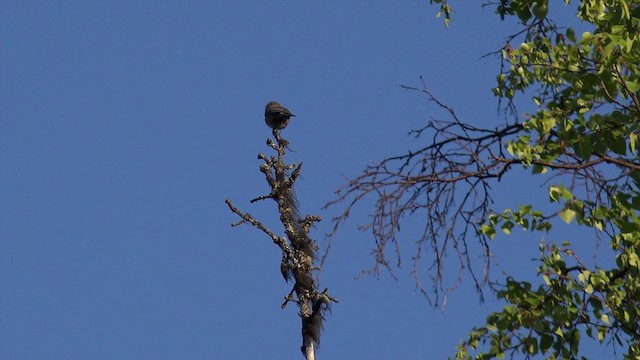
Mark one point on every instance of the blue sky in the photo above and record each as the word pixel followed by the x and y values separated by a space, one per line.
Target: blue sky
pixel 124 126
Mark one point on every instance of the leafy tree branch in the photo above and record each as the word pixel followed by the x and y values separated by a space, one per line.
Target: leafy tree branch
pixel 581 140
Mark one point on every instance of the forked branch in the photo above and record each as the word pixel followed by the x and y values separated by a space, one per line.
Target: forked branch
pixel 448 183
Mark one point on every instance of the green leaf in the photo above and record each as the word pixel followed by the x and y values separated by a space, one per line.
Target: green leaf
pixel 567 215
pixel 584 148
pixel 633 260
pixel 554 193
pixel 488 230
pixel 539 169
pixel 581 278
pixel 532 345
pixel 571 34
pixel 617 143
pixel 545 342
pixel 633 86
pixel 540 9
pixel 589 289
pixel 575 341
pixel 507 226
pixel 559 332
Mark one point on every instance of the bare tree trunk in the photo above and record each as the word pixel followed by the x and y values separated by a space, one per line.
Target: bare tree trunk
pixel 310 352
pixel 298 249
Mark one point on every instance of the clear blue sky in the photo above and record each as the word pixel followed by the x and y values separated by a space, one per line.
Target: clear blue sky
pixel 125 124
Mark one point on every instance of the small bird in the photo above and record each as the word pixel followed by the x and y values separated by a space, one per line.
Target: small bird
pixel 276 116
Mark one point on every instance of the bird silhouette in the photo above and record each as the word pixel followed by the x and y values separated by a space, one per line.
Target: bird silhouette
pixel 276 116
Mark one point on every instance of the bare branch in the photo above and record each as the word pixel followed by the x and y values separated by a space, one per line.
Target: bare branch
pixel 448 183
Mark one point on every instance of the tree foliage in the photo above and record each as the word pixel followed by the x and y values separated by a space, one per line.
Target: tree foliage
pixel 581 140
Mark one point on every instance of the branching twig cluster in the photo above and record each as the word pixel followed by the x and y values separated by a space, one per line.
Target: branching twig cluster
pixel 448 183
pixel 298 250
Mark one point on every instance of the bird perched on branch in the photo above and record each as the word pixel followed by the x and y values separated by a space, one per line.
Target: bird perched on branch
pixel 276 116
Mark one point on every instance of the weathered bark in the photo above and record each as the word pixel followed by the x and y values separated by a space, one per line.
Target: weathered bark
pixel 298 249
